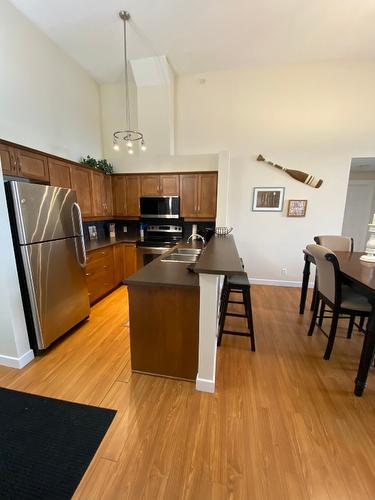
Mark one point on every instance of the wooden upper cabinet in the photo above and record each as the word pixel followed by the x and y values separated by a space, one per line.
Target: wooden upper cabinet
pixel 160 185
pixel 198 195
pixel 59 173
pixel 133 192
pixel 150 185
pixel 8 160
pixel 189 195
pixel 81 183
pixel 119 195
pixel 32 165
pixel 108 210
pixel 98 193
pixel 207 195
pixel 169 185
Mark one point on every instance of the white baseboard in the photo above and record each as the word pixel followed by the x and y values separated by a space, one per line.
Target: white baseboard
pixel 297 284
pixel 205 385
pixel 13 362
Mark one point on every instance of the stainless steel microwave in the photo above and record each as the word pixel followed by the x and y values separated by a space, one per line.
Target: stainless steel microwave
pixel 160 207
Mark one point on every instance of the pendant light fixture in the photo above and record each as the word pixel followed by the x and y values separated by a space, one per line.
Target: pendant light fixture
pixel 129 136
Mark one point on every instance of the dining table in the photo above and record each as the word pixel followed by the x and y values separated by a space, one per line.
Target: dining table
pixel 360 275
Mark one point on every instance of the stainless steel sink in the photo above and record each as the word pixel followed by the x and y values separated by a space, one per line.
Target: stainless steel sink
pixel 180 257
pixel 188 251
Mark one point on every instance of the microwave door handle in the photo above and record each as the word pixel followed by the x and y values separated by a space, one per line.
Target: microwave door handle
pixel 76 209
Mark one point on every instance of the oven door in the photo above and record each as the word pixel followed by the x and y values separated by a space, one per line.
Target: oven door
pixel 145 255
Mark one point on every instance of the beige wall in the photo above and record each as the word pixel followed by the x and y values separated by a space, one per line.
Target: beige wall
pixel 313 117
pixel 46 100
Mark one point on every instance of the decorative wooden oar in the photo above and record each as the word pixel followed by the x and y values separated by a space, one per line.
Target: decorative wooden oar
pixel 308 179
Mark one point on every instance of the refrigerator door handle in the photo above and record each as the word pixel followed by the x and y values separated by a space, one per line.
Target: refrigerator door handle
pixel 76 208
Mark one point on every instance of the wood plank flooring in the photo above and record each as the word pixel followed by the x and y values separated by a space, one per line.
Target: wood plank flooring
pixel 283 424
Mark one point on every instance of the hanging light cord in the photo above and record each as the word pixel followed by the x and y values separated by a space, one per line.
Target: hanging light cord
pixel 127 106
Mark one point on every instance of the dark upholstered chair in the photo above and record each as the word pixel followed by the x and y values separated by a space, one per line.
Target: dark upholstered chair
pixel 333 293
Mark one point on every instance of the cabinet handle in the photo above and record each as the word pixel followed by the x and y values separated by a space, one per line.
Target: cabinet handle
pixel 105 267
pixel 88 274
pixel 103 253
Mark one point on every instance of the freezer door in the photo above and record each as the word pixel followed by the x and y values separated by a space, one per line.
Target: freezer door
pixel 57 287
pixel 43 213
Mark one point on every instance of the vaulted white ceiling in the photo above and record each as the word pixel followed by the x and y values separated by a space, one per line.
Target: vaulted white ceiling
pixel 204 35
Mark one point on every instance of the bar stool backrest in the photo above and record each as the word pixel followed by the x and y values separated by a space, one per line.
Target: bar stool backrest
pixel 335 242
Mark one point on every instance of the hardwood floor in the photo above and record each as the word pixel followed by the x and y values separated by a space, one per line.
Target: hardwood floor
pixel 283 424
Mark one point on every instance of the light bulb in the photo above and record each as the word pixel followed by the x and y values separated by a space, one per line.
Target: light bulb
pixel 129 144
pixel 143 146
pixel 116 147
pixel 130 151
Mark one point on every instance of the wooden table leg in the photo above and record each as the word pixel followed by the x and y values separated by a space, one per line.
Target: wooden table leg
pixel 367 355
pixel 305 285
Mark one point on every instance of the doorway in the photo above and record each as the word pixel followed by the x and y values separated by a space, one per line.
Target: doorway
pixel 360 202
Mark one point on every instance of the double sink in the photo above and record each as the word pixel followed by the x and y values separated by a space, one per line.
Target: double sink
pixel 184 255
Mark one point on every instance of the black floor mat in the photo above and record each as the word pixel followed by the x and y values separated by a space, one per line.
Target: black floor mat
pixel 46 444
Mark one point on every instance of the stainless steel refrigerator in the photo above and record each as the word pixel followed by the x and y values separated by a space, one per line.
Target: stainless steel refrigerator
pixel 50 250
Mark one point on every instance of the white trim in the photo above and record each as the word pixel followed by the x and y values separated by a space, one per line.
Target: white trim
pixel 258 281
pixel 204 385
pixel 13 362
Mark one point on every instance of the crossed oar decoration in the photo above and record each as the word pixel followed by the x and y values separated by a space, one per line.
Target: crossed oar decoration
pixel 308 179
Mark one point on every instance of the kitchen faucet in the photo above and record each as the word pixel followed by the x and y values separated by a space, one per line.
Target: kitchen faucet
pixel 197 236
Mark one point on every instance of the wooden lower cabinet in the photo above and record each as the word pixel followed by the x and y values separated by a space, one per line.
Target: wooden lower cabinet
pixel 130 258
pixel 100 273
pixel 107 267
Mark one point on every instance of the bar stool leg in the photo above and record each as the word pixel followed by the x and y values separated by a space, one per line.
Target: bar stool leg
pixel 249 315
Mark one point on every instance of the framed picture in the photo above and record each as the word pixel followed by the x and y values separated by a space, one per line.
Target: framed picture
pixel 297 208
pixel 268 199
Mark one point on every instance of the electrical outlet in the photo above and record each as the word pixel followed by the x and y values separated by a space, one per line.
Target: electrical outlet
pixel 284 271
pixel 125 229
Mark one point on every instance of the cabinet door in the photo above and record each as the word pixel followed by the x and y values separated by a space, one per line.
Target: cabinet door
pixel 119 195
pixel 81 183
pixel 207 195
pixel 8 160
pixel 98 193
pixel 32 165
pixel 169 185
pixel 59 173
pixel 150 185
pixel 119 257
pixel 108 210
pixel 189 195
pixel 133 191
pixel 130 258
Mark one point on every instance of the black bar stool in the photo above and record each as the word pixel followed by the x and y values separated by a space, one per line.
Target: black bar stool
pixel 238 283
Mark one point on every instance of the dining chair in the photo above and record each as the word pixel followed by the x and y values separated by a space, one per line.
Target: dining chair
pixel 341 298
pixel 336 243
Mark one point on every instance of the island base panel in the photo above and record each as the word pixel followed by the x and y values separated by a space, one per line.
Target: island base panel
pixel 164 330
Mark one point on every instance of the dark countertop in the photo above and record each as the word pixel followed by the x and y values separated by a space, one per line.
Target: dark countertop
pixel 96 244
pixel 219 257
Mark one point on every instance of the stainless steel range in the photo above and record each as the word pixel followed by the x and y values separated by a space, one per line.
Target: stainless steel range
pixel 158 240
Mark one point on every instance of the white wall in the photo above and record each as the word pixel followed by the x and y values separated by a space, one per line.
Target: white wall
pixel 46 100
pixel 14 344
pixel 313 117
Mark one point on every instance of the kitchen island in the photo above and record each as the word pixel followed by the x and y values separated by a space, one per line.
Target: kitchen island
pixel 174 313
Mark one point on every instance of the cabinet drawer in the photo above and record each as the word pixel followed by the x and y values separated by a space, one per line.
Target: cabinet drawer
pixel 99 255
pixel 101 270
